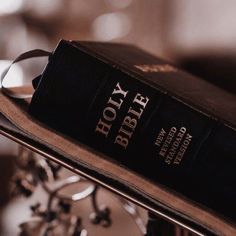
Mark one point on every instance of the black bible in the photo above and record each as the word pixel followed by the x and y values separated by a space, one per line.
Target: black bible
pixel 145 114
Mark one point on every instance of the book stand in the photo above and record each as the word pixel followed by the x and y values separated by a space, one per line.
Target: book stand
pixel 16 125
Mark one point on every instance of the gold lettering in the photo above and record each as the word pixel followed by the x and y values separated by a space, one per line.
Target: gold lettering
pixel 115 103
pixel 103 128
pixel 109 113
pixel 126 132
pixel 141 100
pixel 119 90
pixel 122 141
pixel 138 114
pixel 156 68
pixel 167 142
pixel 183 130
pixel 183 148
pixel 128 121
pixel 160 137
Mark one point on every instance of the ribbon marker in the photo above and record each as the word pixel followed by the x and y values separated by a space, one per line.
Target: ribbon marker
pixel 24 56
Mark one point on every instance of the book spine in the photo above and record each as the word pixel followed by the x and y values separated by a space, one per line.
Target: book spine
pixel 138 125
pixel 131 119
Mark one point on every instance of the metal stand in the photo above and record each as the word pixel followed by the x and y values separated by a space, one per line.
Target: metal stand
pixel 56 216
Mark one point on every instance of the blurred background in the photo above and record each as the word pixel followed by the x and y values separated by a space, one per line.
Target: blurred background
pixel 199 36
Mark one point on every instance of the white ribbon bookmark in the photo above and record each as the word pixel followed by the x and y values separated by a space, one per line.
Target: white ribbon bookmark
pixel 24 56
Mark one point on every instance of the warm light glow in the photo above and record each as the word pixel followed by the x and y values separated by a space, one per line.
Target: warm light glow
pixel 44 7
pixel 10 6
pixel 120 3
pixel 111 26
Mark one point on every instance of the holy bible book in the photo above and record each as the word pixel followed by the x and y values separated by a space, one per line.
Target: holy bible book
pixel 146 115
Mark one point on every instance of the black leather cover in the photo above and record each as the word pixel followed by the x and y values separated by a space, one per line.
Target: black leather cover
pixel 145 114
